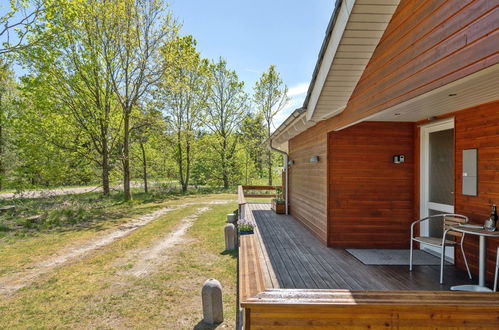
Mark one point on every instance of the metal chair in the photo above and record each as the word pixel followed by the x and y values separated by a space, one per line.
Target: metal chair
pixel 497 269
pixel 442 242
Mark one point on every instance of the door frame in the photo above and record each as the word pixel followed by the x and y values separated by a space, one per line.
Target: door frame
pixel 424 174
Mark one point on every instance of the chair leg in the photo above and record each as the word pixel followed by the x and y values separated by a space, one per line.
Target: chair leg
pixel 410 257
pixel 497 269
pixel 465 261
pixel 495 279
pixel 442 257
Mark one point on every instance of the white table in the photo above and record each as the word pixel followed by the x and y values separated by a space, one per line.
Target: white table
pixel 482 233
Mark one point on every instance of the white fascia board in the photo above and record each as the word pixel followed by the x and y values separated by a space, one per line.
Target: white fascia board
pixel 327 61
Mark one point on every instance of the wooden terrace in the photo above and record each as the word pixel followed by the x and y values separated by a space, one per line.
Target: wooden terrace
pixel 295 259
pixel 289 279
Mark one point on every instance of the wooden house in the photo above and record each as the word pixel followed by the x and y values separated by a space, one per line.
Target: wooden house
pixel 401 121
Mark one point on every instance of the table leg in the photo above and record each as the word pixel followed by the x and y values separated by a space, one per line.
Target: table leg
pixel 482 261
pixel 481 271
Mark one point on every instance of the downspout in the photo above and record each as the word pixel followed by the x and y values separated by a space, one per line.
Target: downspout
pixel 286 156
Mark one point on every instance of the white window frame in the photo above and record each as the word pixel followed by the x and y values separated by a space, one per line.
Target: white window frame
pixel 424 171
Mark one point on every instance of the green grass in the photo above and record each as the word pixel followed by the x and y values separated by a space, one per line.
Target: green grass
pixel 83 211
pixel 96 292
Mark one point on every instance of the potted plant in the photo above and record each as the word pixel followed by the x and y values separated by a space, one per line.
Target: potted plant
pixel 245 226
pixel 278 203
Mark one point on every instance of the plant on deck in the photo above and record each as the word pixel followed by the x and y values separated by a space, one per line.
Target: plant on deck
pixel 245 225
pixel 278 196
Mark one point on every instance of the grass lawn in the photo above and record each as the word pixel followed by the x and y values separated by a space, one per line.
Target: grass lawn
pixel 98 290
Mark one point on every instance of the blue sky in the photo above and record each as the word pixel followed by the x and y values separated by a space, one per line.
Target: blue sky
pixel 253 34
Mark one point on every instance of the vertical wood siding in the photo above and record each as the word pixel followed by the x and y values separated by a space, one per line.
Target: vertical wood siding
pixel 478 128
pixel 307 181
pixel 371 199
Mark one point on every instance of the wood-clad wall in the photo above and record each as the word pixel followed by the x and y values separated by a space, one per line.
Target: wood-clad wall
pixel 478 128
pixel 426 45
pixel 307 180
pixel 371 199
pixel 343 309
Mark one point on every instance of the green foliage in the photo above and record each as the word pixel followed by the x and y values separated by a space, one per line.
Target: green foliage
pixel 270 97
pixel 113 93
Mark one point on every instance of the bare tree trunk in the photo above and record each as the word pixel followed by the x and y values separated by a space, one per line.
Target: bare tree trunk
pixel 105 171
pixel 2 165
pixel 144 167
pixel 188 167
pixel 180 161
pixel 269 155
pixel 246 169
pixel 225 175
pixel 126 157
pixel 270 167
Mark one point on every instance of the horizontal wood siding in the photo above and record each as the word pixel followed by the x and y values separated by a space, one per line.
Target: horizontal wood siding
pixel 307 180
pixel 371 199
pixel 426 45
pixel 478 128
pixel 342 309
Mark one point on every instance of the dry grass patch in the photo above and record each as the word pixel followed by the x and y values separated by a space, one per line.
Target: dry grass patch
pixel 95 292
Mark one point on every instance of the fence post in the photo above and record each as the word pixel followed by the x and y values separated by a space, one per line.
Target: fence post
pixel 230 237
pixel 231 218
pixel 212 302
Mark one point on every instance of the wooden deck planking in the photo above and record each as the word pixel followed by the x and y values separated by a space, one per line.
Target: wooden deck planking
pixel 300 260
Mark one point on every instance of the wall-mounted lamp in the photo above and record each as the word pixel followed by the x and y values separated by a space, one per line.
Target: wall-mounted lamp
pixel 291 162
pixel 314 159
pixel 398 159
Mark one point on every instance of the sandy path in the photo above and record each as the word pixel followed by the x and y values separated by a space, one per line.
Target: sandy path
pixel 13 282
pixel 160 250
pixel 67 191
pixel 16 281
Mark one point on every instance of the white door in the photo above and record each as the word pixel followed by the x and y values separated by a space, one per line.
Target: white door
pixel 437 178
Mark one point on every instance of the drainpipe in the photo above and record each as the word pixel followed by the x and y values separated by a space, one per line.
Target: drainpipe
pixel 286 156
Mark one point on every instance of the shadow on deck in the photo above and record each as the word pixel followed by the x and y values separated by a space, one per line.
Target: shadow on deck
pixel 297 259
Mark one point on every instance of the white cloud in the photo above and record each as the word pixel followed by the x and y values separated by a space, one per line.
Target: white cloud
pixel 252 70
pixel 298 90
pixel 297 95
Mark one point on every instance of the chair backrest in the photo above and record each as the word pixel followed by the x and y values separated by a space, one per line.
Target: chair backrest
pixel 451 220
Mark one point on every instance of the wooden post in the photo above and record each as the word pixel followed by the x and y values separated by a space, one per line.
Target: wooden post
pixel 212 302
pixel 230 237
pixel 231 218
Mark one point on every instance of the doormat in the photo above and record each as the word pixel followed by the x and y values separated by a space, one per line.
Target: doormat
pixel 394 257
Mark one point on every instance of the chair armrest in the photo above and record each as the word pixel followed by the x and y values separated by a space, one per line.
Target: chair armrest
pixel 431 217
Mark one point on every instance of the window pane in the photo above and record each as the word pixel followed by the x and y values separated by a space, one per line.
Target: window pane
pixel 441 185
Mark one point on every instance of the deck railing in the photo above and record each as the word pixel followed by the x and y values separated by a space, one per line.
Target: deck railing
pixel 244 191
pixel 260 188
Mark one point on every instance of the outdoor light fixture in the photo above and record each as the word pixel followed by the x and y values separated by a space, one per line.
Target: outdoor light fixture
pixel 398 159
pixel 291 162
pixel 314 159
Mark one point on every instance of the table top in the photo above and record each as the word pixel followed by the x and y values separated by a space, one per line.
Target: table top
pixel 474 231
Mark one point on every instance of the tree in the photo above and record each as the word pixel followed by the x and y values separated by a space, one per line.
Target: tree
pixel 182 95
pixel 270 97
pixel 148 125
pixel 7 93
pixel 253 136
pixel 44 141
pixel 227 105
pixel 71 71
pixel 17 23
pixel 133 32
